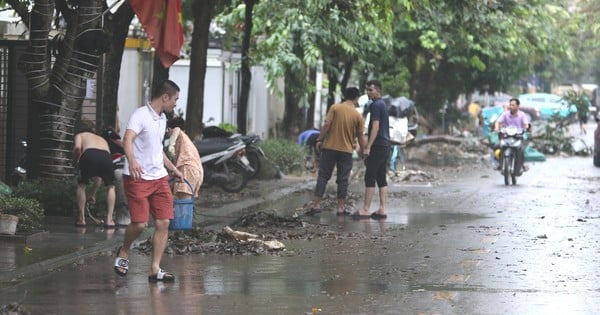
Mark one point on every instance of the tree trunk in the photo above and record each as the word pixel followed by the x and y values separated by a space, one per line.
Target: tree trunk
pixel 117 28
pixel 242 113
pixel 160 73
pixel 309 120
pixel 203 11
pixel 57 93
pixel 292 117
pixel 346 75
pixel 333 83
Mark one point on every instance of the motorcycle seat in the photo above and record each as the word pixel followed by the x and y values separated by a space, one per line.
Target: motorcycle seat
pixel 212 145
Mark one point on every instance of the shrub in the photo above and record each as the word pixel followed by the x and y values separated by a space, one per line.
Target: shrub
pixel 29 211
pixel 287 155
pixel 228 127
pixel 56 197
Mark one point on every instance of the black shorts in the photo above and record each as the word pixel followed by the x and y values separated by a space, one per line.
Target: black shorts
pixel 96 163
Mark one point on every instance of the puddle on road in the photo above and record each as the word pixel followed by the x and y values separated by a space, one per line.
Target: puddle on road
pixel 415 219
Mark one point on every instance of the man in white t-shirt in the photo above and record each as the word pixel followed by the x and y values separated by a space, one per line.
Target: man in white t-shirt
pixel 146 178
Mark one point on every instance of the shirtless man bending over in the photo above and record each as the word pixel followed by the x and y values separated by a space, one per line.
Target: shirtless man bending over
pixel 92 156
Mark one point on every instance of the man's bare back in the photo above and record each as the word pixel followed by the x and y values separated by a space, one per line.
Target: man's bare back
pixel 88 140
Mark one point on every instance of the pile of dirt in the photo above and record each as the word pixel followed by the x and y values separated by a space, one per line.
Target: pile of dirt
pixel 265 224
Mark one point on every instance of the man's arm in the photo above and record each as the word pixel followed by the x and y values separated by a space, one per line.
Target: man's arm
pixel 77 149
pixel 323 133
pixel 135 169
pixel 362 141
pixel 372 136
pixel 171 168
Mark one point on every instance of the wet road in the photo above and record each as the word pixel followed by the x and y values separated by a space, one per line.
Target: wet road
pixel 469 245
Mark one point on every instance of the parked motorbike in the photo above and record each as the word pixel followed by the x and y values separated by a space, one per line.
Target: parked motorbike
pixel 117 152
pixel 115 145
pixel 224 163
pixel 20 172
pixel 254 153
pixel 511 141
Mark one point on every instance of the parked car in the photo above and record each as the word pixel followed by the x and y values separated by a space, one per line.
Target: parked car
pixel 548 104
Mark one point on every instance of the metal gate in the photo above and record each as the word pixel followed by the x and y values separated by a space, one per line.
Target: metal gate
pixel 14 103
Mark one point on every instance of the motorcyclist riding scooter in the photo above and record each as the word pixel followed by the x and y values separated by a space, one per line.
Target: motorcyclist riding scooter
pixel 515 118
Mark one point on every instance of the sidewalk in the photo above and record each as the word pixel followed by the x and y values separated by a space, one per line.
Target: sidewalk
pixel 61 243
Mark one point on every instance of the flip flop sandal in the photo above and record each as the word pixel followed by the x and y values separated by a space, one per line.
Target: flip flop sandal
pixel 357 215
pixel 120 264
pixel 375 215
pixel 345 212
pixel 163 276
pixel 313 211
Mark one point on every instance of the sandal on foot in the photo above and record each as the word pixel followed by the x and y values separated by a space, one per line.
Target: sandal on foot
pixel 121 264
pixel 376 215
pixel 345 212
pixel 313 211
pixel 357 215
pixel 163 276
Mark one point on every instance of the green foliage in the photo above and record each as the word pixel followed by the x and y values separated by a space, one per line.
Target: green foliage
pixel 228 127
pixel 580 100
pixel 287 155
pixel 430 51
pixel 29 211
pixel 57 197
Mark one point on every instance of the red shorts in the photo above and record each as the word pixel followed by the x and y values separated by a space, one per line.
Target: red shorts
pixel 148 196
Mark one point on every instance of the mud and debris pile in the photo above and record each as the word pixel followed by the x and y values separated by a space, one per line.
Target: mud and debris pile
pixel 257 233
pixel 264 220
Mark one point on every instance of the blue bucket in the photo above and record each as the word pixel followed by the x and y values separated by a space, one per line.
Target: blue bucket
pixel 183 212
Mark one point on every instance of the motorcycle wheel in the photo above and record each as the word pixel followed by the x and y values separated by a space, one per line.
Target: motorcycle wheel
pixel 514 170
pixel 255 161
pixel 238 178
pixel 513 178
pixel 506 169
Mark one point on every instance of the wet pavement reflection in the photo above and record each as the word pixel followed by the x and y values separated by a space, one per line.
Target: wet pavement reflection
pixel 469 247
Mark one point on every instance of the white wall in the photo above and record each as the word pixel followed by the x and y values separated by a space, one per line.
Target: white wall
pixel 258 112
pixel 221 91
pixel 179 73
pixel 129 94
pixel 214 104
